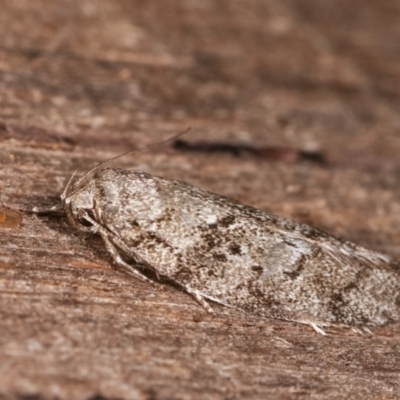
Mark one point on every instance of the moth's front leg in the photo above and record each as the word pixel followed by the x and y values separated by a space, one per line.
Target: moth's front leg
pixel 200 299
pixel 117 259
pixel 108 239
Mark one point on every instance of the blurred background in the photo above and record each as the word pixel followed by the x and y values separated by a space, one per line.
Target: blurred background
pixel 299 72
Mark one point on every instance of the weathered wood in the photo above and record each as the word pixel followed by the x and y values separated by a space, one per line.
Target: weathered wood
pixel 83 81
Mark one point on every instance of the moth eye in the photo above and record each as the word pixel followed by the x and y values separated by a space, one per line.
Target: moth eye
pixel 85 216
pixel 84 221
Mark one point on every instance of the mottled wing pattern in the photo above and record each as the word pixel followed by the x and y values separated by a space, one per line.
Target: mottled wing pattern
pixel 244 257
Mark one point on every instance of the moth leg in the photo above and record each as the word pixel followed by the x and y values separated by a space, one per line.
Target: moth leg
pixel 313 325
pixel 112 251
pixel 54 210
pixel 200 299
pixel 362 330
pixel 117 242
pixel 317 328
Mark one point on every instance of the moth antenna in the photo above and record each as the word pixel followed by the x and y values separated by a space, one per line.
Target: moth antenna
pixel 65 191
pixel 151 146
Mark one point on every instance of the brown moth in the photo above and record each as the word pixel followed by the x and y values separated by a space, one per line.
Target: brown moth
pixel 220 250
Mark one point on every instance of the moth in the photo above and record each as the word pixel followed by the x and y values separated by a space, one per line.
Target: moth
pixel 219 250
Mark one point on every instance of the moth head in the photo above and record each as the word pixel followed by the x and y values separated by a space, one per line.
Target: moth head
pixel 78 198
pixel 79 205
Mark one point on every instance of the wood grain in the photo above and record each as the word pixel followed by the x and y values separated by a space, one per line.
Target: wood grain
pixel 83 81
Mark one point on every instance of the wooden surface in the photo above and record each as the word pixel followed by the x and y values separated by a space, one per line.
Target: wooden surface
pixel 81 81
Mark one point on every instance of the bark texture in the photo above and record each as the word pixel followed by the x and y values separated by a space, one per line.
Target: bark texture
pixel 294 108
